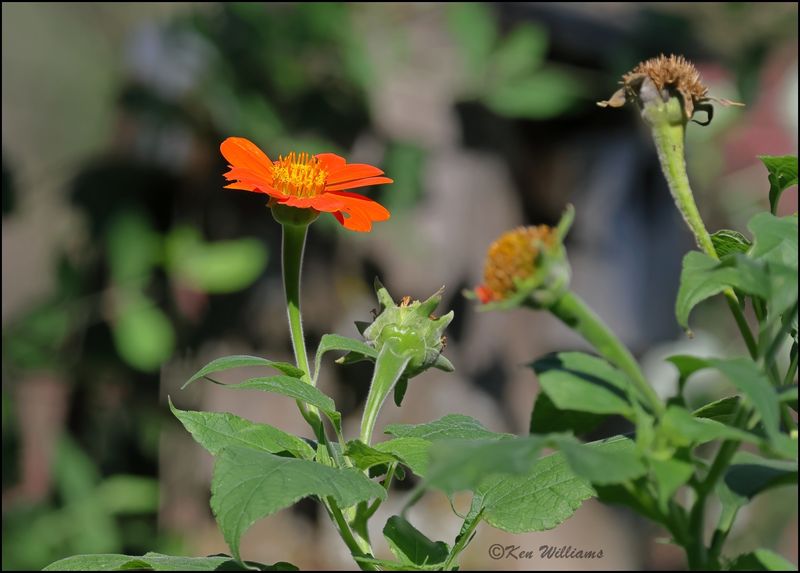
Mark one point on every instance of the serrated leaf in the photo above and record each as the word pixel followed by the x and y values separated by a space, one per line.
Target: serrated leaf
pixel 241 361
pixel 782 175
pixel 604 463
pixel 761 560
pixel 457 465
pixel 453 426
pixel 249 485
pixel 721 410
pixel 332 342
pixel 749 475
pixel 413 452
pixel 410 545
pixel 683 429
pixel 366 457
pixel 727 242
pixel 577 381
pixel 774 239
pixel 293 388
pixel 536 501
pixel 703 277
pixel 217 430
pixel 158 562
pixel 547 418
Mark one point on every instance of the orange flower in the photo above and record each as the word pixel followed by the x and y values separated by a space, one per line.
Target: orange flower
pixel 317 182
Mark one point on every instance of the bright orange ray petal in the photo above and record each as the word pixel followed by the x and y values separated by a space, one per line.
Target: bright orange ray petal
pixel 359 183
pixel 351 172
pixel 330 161
pixel 243 153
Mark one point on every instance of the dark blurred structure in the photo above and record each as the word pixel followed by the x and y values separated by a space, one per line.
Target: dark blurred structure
pixel 126 265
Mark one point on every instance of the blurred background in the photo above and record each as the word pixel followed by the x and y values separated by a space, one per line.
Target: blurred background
pixel 126 266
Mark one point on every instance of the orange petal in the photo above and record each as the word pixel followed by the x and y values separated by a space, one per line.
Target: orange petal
pixel 330 161
pixel 359 183
pixel 351 172
pixel 361 211
pixel 243 153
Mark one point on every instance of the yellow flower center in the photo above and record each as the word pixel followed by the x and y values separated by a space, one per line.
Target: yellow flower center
pixel 513 257
pixel 299 175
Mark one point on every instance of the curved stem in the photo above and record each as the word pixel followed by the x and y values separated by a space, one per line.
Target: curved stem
pixel 461 543
pixel 352 544
pixel 389 367
pixel 574 312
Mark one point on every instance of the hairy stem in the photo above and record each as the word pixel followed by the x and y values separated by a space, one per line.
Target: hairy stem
pixel 574 312
pixel 389 367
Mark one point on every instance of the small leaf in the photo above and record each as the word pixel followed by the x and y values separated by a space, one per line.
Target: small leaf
pixel 683 429
pixel 293 388
pixel 761 560
pixel 413 452
pixel 143 334
pixel 366 457
pixel 457 465
pixel 249 485
pixel 604 463
pixel 749 475
pixel 669 475
pixel 547 418
pixel 356 348
pixel 520 53
pixel 450 426
pixel 228 362
pixel 721 410
pixel 577 381
pixel 703 277
pixel 728 242
pixel 159 562
pixel 408 544
pixel 782 175
pixel 774 239
pixel 217 430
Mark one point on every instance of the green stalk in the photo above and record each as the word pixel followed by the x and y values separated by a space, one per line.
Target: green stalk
pixel 294 240
pixel 574 312
pixel 347 535
pixel 389 367
pixel 668 126
pixel 461 543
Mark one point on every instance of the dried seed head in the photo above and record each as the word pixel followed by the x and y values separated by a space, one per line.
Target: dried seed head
pixel 663 77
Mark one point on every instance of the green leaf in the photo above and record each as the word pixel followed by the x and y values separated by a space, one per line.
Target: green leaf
pixel 547 418
pixel 217 430
pixel 219 267
pixel 249 485
pixel 293 388
pixel 520 53
pixel 539 500
pixel 451 426
pixel 727 242
pixel 143 334
pixel 614 461
pixel 683 429
pixel 761 560
pixel 782 175
pixel 411 546
pixel 356 350
pixel 159 562
pixel 457 465
pixel 703 277
pixel 577 381
pixel 366 457
pixel 669 475
pixel 547 93
pixel 749 475
pixel 413 452
pixel 240 361
pixel 774 239
pixel 122 494
pixel 721 410
pixel 472 26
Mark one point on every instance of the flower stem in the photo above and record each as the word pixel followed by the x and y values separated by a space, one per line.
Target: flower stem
pixel 574 312
pixel 294 240
pixel 389 367
pixel 668 127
